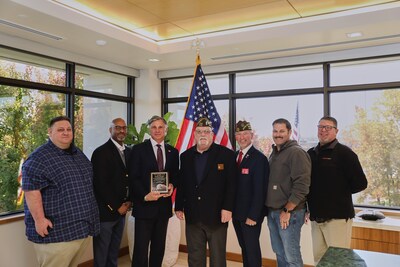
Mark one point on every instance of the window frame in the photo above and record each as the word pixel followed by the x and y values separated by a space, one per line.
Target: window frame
pixel 70 92
pixel 326 90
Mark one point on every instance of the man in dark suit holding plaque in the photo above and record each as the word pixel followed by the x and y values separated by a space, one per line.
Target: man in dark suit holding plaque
pixel 152 208
pixel 252 185
pixel 205 196
pixel 111 188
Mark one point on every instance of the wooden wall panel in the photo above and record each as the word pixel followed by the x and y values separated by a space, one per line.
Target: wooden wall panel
pixel 376 240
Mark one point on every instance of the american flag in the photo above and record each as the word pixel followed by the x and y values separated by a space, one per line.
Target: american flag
pixel 200 104
pixel 296 130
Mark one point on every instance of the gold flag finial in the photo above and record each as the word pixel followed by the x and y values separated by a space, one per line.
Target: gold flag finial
pixel 198 60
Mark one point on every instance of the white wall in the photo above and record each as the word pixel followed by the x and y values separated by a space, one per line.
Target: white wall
pixel 147 96
pixel 17 251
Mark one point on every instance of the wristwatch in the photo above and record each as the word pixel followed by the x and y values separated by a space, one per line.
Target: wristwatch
pixel 285 210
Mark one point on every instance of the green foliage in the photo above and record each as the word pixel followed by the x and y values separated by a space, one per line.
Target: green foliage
pixel 136 137
pixel 9 164
pixel 375 139
pixel 173 130
pixel 24 115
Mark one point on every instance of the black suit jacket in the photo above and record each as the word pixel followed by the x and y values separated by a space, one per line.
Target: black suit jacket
pixel 110 180
pixel 252 186
pixel 203 202
pixel 142 162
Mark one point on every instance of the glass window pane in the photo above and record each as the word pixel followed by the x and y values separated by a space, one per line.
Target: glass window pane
pixel 21 66
pixel 178 112
pixel 261 112
pixel 100 81
pixel 222 107
pixel 218 84
pixel 279 79
pixel 179 87
pixel 365 72
pixel 368 122
pixel 24 118
pixel 92 121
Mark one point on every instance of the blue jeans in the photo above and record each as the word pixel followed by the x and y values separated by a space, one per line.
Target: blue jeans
pixel 286 243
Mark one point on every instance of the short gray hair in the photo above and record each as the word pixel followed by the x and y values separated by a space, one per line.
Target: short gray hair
pixel 156 118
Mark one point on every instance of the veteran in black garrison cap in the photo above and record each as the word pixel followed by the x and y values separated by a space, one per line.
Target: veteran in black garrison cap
pixel 204 122
pixel 205 196
pixel 242 126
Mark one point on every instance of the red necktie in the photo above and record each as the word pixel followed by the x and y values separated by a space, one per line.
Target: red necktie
pixel 160 160
pixel 240 157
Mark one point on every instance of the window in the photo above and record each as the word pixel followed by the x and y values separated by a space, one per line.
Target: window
pixel 92 121
pixel 369 120
pixel 100 81
pixel 261 112
pixel 218 84
pixel 24 117
pixel 279 79
pixel 365 72
pixel 369 123
pixel 25 112
pixel 17 65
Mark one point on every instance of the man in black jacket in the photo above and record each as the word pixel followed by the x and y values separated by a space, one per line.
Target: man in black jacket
pixel 336 175
pixel 111 187
pixel 205 196
pixel 151 208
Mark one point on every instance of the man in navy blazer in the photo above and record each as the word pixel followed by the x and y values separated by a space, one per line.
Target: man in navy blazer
pixel 205 196
pixel 111 188
pixel 151 209
pixel 252 186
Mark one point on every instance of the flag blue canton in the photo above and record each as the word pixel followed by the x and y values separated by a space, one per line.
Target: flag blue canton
pixel 200 102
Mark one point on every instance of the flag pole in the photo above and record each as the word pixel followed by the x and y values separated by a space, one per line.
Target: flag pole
pixel 196 43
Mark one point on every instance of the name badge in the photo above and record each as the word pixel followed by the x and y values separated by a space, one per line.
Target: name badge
pixel 220 167
pixel 245 171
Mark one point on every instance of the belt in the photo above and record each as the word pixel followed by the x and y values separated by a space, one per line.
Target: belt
pixel 320 220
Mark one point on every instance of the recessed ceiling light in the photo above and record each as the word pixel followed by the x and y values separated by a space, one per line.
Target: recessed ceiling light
pixel 101 42
pixel 153 60
pixel 354 34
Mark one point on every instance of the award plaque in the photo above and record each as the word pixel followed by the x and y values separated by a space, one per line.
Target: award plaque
pixel 159 182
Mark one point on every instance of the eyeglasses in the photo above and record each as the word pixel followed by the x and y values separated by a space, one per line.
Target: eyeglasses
pixel 199 132
pixel 326 127
pixel 119 128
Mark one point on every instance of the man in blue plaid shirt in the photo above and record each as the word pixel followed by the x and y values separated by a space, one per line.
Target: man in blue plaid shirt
pixel 60 208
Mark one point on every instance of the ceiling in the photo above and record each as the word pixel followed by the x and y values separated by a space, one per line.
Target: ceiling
pixel 134 31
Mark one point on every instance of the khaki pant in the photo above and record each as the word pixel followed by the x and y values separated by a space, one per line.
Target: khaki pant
pixel 62 254
pixel 335 233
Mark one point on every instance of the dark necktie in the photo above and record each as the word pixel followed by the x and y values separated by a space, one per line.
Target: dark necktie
pixel 160 160
pixel 240 157
pixel 122 154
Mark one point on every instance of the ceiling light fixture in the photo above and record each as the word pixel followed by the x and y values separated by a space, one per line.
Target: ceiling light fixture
pixel 354 34
pixel 101 42
pixel 153 60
